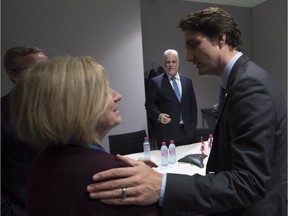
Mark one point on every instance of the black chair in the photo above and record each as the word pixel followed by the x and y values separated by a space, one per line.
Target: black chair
pixel 127 143
pixel 201 132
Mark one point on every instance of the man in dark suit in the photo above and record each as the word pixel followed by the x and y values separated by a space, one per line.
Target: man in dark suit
pixel 246 174
pixel 16 155
pixel 173 117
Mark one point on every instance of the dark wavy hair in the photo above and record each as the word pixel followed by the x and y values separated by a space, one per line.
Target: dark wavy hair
pixel 213 22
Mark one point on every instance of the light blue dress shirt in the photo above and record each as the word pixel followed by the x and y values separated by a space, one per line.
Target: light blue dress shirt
pixel 228 68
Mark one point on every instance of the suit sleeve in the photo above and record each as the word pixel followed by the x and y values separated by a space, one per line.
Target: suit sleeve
pixel 194 110
pixel 151 101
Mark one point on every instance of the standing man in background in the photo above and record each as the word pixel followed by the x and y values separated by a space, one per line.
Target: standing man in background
pixel 16 155
pixel 246 174
pixel 171 103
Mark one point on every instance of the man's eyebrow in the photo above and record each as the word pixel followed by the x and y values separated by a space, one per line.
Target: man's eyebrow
pixel 192 42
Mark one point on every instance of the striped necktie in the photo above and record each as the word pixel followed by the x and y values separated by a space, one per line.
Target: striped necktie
pixel 176 88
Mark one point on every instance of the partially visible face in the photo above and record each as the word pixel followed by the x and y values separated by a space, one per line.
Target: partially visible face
pixel 203 53
pixel 171 64
pixel 111 116
pixel 24 62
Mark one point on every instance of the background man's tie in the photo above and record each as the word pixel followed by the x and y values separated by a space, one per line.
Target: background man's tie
pixel 176 89
pixel 177 92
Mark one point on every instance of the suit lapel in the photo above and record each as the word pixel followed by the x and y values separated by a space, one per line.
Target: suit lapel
pixel 211 166
pixel 182 80
pixel 168 84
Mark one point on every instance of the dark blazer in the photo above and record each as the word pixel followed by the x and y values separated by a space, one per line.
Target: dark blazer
pixel 16 157
pixel 58 180
pixel 161 98
pixel 247 168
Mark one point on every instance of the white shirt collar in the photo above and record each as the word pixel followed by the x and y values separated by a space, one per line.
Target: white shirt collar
pixel 177 76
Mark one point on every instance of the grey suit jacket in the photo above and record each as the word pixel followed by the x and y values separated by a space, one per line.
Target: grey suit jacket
pixel 247 167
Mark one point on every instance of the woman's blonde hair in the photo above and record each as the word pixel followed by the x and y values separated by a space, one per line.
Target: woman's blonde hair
pixel 60 100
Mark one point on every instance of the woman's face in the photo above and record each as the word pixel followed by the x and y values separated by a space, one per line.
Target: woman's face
pixel 111 116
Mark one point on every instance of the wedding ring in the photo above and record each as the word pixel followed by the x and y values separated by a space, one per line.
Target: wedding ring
pixel 123 193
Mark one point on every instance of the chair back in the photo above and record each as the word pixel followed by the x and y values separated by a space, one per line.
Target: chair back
pixel 127 143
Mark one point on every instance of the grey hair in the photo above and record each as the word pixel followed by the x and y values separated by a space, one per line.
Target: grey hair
pixel 171 52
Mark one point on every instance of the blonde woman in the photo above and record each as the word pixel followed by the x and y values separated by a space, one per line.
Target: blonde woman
pixel 67 104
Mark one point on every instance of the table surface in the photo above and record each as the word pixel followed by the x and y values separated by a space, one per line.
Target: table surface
pixel 178 167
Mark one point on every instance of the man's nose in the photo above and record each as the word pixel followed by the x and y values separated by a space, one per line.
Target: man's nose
pixel 189 56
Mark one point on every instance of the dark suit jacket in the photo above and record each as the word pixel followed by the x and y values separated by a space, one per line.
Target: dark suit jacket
pixel 16 157
pixel 161 98
pixel 58 180
pixel 248 157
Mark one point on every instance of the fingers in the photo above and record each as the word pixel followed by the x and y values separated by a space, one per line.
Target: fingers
pixel 141 182
pixel 113 173
pixel 126 201
pixel 116 179
pixel 148 162
pixel 127 160
pixel 111 194
pixel 117 193
pixel 165 118
pixel 168 120
pixel 115 197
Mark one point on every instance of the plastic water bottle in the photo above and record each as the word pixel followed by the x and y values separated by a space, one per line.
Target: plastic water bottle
pixel 164 154
pixel 203 148
pixel 209 143
pixel 146 148
pixel 172 152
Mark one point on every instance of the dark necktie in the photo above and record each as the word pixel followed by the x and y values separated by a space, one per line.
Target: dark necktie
pixel 176 89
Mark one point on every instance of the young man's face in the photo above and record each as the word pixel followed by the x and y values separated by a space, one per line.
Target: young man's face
pixel 203 53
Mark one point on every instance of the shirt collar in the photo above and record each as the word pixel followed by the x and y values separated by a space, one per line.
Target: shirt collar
pixel 228 68
pixel 177 76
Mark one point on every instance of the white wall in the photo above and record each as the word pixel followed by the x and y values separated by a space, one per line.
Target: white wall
pixel 105 29
pixel 270 39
